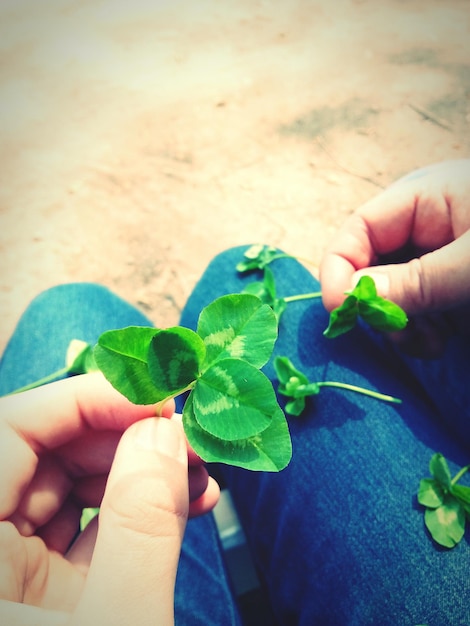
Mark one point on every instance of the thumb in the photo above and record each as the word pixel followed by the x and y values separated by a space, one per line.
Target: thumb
pixel 141 526
pixel 437 281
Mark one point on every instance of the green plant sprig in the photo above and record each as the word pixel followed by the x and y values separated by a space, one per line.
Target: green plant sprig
pixel 266 291
pixel 259 256
pixel 362 302
pixel 231 414
pixel 295 385
pixel 78 360
pixel 447 503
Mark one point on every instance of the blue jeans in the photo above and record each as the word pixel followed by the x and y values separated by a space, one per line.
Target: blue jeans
pixel 338 536
pixel 37 348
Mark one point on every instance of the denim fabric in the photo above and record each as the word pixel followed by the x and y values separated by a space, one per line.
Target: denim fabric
pixel 37 348
pixel 338 536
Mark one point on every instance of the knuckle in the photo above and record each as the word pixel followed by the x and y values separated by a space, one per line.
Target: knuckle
pixel 139 502
pixel 418 286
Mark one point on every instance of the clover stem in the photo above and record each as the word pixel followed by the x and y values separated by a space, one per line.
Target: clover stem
pixel 366 392
pixel 303 296
pixel 42 381
pixel 291 256
pixel 459 475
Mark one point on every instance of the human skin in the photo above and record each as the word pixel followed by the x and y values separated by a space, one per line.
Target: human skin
pixel 414 240
pixel 78 443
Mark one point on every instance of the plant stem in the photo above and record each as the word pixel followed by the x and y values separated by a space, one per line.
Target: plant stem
pixel 303 296
pixel 42 381
pixel 459 475
pixel 292 256
pixel 366 392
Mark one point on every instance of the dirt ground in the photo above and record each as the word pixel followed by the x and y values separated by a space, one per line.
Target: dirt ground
pixel 139 139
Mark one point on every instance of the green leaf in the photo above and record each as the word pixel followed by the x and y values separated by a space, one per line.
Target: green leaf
pixel 378 312
pixel 265 290
pixel 295 407
pixel 257 257
pixel 382 314
pixel 285 371
pixel 269 451
pixel 238 326
pixel 365 289
pixel 175 357
pixel 87 515
pixel 440 470
pixel 233 400
pixel 462 494
pixel 122 357
pixel 293 384
pixel 430 493
pixel 342 319
pixel 79 358
pixel 446 523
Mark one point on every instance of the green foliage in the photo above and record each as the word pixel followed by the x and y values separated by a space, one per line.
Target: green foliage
pixel 363 301
pixel 447 503
pixel 257 257
pixel 122 356
pixel 79 359
pixel 295 385
pixel 231 414
pixel 238 326
pixel 87 515
pixel 265 290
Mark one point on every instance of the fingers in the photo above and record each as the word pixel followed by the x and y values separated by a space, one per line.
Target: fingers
pixel 413 217
pixel 16 614
pixel 53 415
pixel 142 520
pixel 206 501
pixel 382 226
pixel 63 416
pixel 435 282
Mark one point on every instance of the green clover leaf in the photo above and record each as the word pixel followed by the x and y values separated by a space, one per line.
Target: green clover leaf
pixel 257 257
pixel 363 301
pixel 269 451
pixel 175 358
pixel 447 503
pixel 231 414
pixel 431 493
pixel 294 384
pixel 238 326
pixel 122 357
pixel 446 523
pixel 265 290
pixel 233 400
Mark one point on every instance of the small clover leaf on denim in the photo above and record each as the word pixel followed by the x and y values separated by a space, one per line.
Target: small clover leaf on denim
pixel 257 257
pixel 265 290
pixel 447 503
pixel 294 384
pixel 297 387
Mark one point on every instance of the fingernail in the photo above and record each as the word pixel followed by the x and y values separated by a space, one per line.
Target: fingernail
pixel 160 435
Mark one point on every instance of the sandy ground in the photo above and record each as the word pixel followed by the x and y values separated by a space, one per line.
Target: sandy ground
pixel 138 139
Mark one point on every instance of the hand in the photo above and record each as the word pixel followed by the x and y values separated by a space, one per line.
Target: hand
pixel 62 448
pixel 414 240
